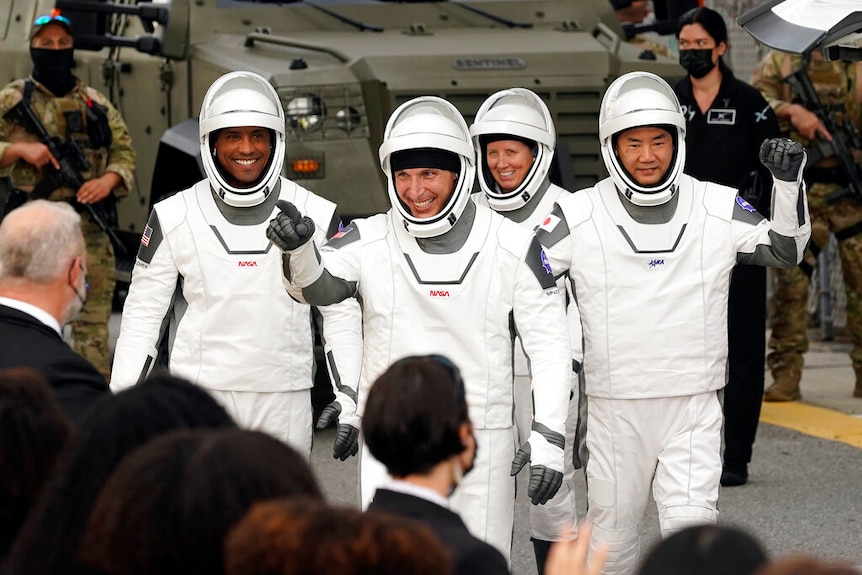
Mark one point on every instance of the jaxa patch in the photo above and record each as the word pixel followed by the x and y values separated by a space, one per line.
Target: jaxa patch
pixel 745 205
pixel 656 264
pixel 549 224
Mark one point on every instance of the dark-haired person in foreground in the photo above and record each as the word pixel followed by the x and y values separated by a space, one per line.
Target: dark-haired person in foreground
pixel 416 424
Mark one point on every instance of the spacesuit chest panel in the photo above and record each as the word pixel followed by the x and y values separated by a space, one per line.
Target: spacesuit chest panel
pixel 228 270
pixel 653 301
pixel 444 268
pixel 230 238
pixel 646 238
pixel 457 305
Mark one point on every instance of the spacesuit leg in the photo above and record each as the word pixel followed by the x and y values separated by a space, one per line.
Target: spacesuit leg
pixel 623 450
pixel 546 520
pixel 485 499
pixel 689 468
pixel 286 415
pixel 372 474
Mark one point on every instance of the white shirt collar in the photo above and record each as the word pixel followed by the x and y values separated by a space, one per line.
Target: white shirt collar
pixel 417 491
pixel 34 311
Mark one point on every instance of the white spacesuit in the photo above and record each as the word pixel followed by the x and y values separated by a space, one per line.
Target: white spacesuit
pixel 650 265
pixel 520 114
pixel 451 284
pixel 206 268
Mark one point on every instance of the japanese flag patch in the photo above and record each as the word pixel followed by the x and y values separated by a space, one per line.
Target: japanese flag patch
pixel 549 223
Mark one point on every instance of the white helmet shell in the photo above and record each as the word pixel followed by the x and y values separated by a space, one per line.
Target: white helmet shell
pixel 634 100
pixel 522 113
pixel 422 123
pixel 240 99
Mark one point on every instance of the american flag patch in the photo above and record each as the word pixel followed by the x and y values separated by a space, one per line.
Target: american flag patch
pixel 145 238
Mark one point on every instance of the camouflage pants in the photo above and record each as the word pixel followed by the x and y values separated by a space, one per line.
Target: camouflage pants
pixel 788 313
pixel 90 328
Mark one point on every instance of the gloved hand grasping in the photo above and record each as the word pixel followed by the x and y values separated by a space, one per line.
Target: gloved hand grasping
pixel 783 157
pixel 289 229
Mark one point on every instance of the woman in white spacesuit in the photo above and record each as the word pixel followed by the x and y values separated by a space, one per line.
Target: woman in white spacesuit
pixel 649 251
pixel 206 270
pixel 439 274
pixel 515 138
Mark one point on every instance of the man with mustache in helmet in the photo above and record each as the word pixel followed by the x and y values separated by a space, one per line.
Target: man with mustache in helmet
pixel 438 274
pixel 206 271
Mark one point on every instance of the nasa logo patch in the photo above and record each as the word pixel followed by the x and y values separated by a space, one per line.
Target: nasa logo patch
pixel 745 205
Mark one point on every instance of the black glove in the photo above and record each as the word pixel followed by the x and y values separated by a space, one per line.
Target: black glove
pixel 544 481
pixel 289 229
pixel 783 157
pixel 346 436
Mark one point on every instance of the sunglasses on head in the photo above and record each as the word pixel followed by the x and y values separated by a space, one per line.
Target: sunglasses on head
pixel 48 18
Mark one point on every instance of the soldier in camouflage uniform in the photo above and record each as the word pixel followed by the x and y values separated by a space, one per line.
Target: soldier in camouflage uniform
pixel 837 88
pixel 69 109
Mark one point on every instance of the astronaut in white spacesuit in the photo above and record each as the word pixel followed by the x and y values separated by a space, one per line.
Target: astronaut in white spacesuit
pixel 649 251
pixel 515 138
pixel 206 269
pixel 439 274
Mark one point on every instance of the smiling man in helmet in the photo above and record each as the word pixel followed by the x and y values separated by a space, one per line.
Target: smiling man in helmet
pixel 438 274
pixel 206 271
pixel 515 138
pixel 649 251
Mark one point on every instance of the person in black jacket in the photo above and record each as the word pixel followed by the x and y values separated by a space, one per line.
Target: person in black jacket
pixel 416 424
pixel 726 122
pixel 42 288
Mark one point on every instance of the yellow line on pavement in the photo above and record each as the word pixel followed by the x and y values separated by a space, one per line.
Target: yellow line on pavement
pixel 815 421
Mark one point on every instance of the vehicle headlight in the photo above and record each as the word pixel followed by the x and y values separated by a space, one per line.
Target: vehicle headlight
pixel 348 118
pixel 305 113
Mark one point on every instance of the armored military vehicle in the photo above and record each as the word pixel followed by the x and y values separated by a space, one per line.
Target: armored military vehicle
pixel 340 66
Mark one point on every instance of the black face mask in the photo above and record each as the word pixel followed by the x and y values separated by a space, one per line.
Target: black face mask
pixel 53 69
pixel 698 63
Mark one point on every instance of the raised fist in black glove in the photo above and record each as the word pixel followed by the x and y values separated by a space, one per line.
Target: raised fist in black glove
pixel 346 436
pixel 289 229
pixel 783 157
pixel 544 481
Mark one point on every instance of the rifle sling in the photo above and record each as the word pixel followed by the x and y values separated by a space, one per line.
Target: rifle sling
pixel 849 232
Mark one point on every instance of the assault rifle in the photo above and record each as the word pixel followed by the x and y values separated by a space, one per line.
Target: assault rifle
pixel 72 162
pixel 844 136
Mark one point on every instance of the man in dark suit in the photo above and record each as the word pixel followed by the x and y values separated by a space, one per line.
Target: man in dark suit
pixel 416 424
pixel 42 288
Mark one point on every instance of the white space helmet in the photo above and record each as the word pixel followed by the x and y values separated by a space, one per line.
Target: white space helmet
pixel 520 113
pixel 235 100
pixel 641 99
pixel 431 124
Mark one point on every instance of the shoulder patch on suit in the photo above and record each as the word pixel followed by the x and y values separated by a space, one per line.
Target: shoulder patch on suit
pixel 745 212
pixel 553 228
pixel 538 263
pixel 345 235
pixel 150 239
